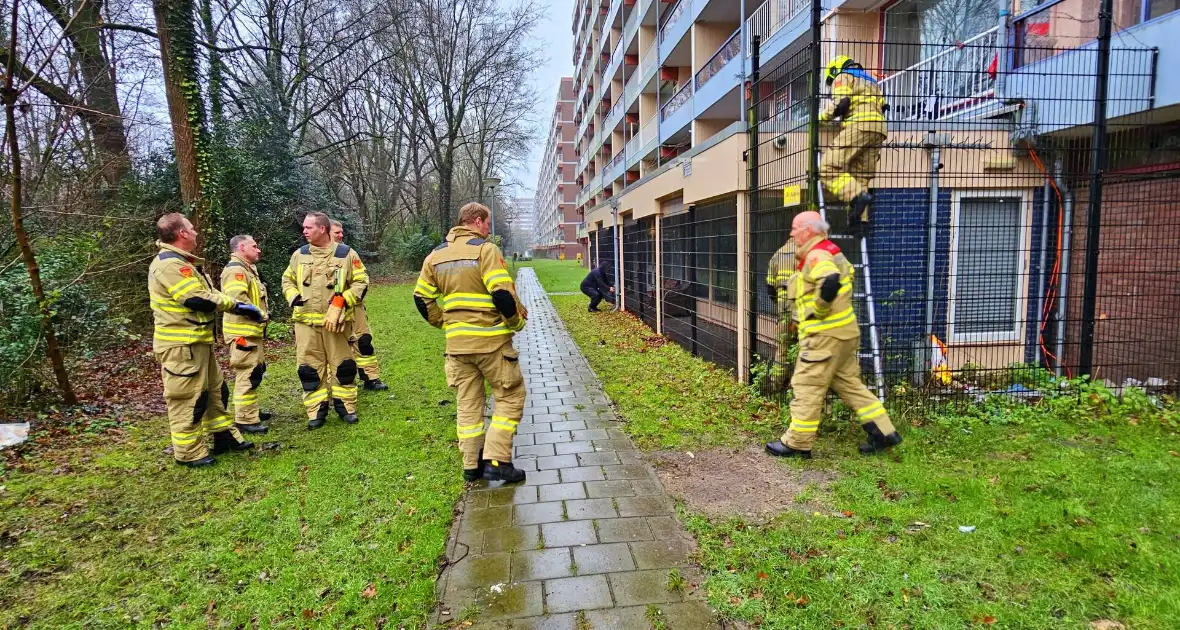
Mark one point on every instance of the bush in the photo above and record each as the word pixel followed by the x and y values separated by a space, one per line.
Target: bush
pixel 85 322
pixel 411 246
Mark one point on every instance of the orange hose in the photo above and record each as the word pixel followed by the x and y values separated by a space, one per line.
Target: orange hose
pixel 1055 274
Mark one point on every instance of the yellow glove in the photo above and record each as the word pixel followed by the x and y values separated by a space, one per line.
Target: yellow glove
pixel 334 318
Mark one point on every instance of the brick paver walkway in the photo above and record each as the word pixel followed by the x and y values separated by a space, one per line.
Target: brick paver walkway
pixel 590 540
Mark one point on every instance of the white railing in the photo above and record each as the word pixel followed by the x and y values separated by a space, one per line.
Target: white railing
pixel 632 25
pixel 649 131
pixel 770 17
pixel 631 88
pixel 633 146
pixel 650 60
pixel 945 84
pixel 609 121
pixel 674 16
pixel 677 101
pixel 729 50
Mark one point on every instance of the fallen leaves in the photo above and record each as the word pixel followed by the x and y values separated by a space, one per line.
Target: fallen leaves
pixel 369 592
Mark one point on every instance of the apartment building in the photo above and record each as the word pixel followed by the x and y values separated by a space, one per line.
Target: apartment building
pixel 969 222
pixel 556 211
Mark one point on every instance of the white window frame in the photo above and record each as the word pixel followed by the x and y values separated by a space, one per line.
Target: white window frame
pixel 1022 266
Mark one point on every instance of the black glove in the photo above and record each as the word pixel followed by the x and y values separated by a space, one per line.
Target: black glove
pixel 298 301
pixel 248 310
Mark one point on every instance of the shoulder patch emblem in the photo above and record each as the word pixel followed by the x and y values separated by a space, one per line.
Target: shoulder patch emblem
pixel 186 272
pixel 356 262
pixel 239 276
pixel 502 263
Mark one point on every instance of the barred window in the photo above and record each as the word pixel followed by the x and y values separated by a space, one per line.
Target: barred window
pixel 989 265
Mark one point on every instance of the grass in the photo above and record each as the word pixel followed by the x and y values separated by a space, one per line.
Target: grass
pixel 673 399
pixel 1075 506
pixel 557 276
pixel 339 527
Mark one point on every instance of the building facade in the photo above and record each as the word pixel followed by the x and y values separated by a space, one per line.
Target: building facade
pixel 524 223
pixel 557 214
pixel 979 187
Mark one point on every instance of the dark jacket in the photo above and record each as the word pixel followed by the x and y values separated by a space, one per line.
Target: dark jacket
pixel 600 279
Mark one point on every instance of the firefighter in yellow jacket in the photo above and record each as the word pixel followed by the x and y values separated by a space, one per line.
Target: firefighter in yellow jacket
pixel 779 286
pixel 465 289
pixel 184 307
pixel 323 283
pixel 245 337
pixel 849 165
pixel 361 341
pixel 828 341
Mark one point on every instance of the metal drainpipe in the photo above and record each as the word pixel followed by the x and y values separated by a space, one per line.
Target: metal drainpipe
pixel 933 145
pixel 1063 279
pixel 1041 274
pixel 1001 54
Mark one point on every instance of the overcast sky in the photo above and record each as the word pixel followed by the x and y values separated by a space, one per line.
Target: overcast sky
pixel 557 43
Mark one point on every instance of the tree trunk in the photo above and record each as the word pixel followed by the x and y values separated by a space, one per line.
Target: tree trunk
pixel 100 98
pixel 178 53
pixel 52 349
pixel 446 168
pixel 216 74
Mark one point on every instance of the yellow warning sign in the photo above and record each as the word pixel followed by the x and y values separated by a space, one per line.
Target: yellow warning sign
pixel 792 195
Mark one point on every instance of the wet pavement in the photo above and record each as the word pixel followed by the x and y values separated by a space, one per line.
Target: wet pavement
pixel 590 540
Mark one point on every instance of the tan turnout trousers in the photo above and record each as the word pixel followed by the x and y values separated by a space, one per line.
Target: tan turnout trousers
pixel 196 394
pixel 825 363
pixel 850 164
pixel 319 354
pixel 466 373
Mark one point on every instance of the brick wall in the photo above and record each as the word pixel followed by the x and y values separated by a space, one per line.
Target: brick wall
pixel 1136 332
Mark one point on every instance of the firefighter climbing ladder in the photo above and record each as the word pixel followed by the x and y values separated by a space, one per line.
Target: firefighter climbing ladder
pixel 861 265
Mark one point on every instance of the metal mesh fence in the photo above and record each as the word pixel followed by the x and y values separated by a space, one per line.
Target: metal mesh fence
pixel 977 270
pixel 699 276
pixel 1021 197
pixel 639 272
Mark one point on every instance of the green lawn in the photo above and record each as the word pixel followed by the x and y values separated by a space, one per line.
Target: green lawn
pixel 1075 504
pixel 341 527
pixel 557 276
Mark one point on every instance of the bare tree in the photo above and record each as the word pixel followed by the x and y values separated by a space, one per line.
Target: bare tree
pixel 458 52
pixel 11 96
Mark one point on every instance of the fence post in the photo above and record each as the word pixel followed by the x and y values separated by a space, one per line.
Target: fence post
pixel 1098 148
pixel 813 119
pixel 659 276
pixel 752 199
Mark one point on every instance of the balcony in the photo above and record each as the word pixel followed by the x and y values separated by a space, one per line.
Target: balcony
pixel 730 50
pixel 673 17
pixel 631 88
pixel 769 18
pixel 649 63
pixel 632 25
pixel 949 83
pixel 677 101
pixel 616 110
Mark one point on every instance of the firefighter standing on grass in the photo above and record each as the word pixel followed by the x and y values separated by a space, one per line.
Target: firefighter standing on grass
pixel 361 340
pixel 323 283
pixel 829 338
pixel 780 286
pixel 184 309
pixel 465 289
pixel 245 337
pixel 849 165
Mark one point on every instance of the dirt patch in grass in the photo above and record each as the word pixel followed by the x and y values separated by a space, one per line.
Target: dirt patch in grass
pixel 746 483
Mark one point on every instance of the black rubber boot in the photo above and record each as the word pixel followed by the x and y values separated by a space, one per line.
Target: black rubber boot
pixel 258 429
pixel 475 474
pixel 502 471
pixel 223 442
pixel 350 418
pixel 265 415
pixel 856 226
pixel 877 442
pixel 320 418
pixel 204 462
pixel 338 405
pixel 778 449
pixel 375 385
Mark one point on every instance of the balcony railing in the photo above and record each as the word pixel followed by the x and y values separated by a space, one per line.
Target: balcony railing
pixel 945 84
pixel 674 16
pixel 649 131
pixel 728 51
pixel 614 111
pixel 632 25
pixel 631 88
pixel 677 101
pixel 650 60
pixel 770 17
